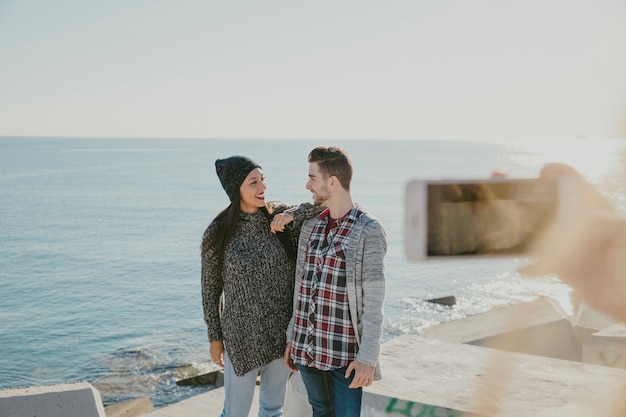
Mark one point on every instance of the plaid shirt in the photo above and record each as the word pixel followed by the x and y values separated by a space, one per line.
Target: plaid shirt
pixel 324 336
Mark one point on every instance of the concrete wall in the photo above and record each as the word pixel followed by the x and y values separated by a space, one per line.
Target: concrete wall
pixel 538 327
pixel 588 321
pixel 607 347
pixel 78 399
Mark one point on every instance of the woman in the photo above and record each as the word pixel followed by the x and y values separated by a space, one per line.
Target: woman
pixel 253 268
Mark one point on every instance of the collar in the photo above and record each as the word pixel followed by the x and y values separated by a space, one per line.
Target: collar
pixel 351 214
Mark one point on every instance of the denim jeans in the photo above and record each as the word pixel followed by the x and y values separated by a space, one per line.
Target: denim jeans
pixel 329 394
pixel 239 390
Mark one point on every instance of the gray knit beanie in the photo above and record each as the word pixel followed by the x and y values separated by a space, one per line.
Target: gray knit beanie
pixel 232 171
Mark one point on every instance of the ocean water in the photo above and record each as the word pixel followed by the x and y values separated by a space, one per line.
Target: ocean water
pixel 99 246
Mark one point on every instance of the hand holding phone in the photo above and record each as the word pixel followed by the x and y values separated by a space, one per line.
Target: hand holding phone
pixel 485 217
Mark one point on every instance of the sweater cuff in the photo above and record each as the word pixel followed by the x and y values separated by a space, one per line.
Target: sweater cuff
pixel 214 335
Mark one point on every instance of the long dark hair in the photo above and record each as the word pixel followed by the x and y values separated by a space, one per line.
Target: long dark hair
pixel 225 224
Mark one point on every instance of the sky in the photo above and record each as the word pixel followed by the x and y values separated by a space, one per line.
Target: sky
pixel 399 69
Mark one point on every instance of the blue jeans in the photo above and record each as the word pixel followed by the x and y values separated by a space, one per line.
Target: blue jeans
pixel 239 390
pixel 329 394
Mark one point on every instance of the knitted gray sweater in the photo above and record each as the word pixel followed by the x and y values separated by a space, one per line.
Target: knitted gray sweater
pixel 257 281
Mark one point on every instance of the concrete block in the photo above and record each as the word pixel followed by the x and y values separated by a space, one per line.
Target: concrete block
pixel 207 404
pixel 428 377
pixel 588 321
pixel 130 408
pixel 376 405
pixel 373 405
pixel 79 399
pixel 215 378
pixel 424 376
pixel 538 327
pixel 607 347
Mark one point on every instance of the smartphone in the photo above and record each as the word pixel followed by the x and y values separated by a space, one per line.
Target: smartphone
pixel 447 219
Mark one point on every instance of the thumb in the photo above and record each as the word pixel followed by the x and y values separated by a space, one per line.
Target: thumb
pixel 349 369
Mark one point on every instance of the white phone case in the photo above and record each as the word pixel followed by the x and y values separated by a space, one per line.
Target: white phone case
pixel 449 219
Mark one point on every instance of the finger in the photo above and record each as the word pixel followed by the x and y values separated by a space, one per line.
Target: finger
pixel 349 370
pixel 366 382
pixel 357 383
pixel 276 226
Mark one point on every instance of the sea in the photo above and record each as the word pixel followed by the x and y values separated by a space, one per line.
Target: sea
pixel 100 246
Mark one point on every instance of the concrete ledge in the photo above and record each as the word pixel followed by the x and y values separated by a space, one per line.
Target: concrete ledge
pixel 539 327
pixel 207 404
pixel 607 347
pixel 373 405
pixel 215 378
pixel 131 408
pixel 79 399
pixel 473 380
pixel 588 321
pixel 428 377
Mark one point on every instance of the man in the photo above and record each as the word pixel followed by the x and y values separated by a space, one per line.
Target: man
pixel 335 330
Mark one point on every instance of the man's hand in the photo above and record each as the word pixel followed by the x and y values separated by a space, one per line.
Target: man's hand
pixel 288 361
pixel 363 374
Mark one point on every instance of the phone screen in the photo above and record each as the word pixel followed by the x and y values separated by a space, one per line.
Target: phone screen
pixel 499 217
pixel 477 217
